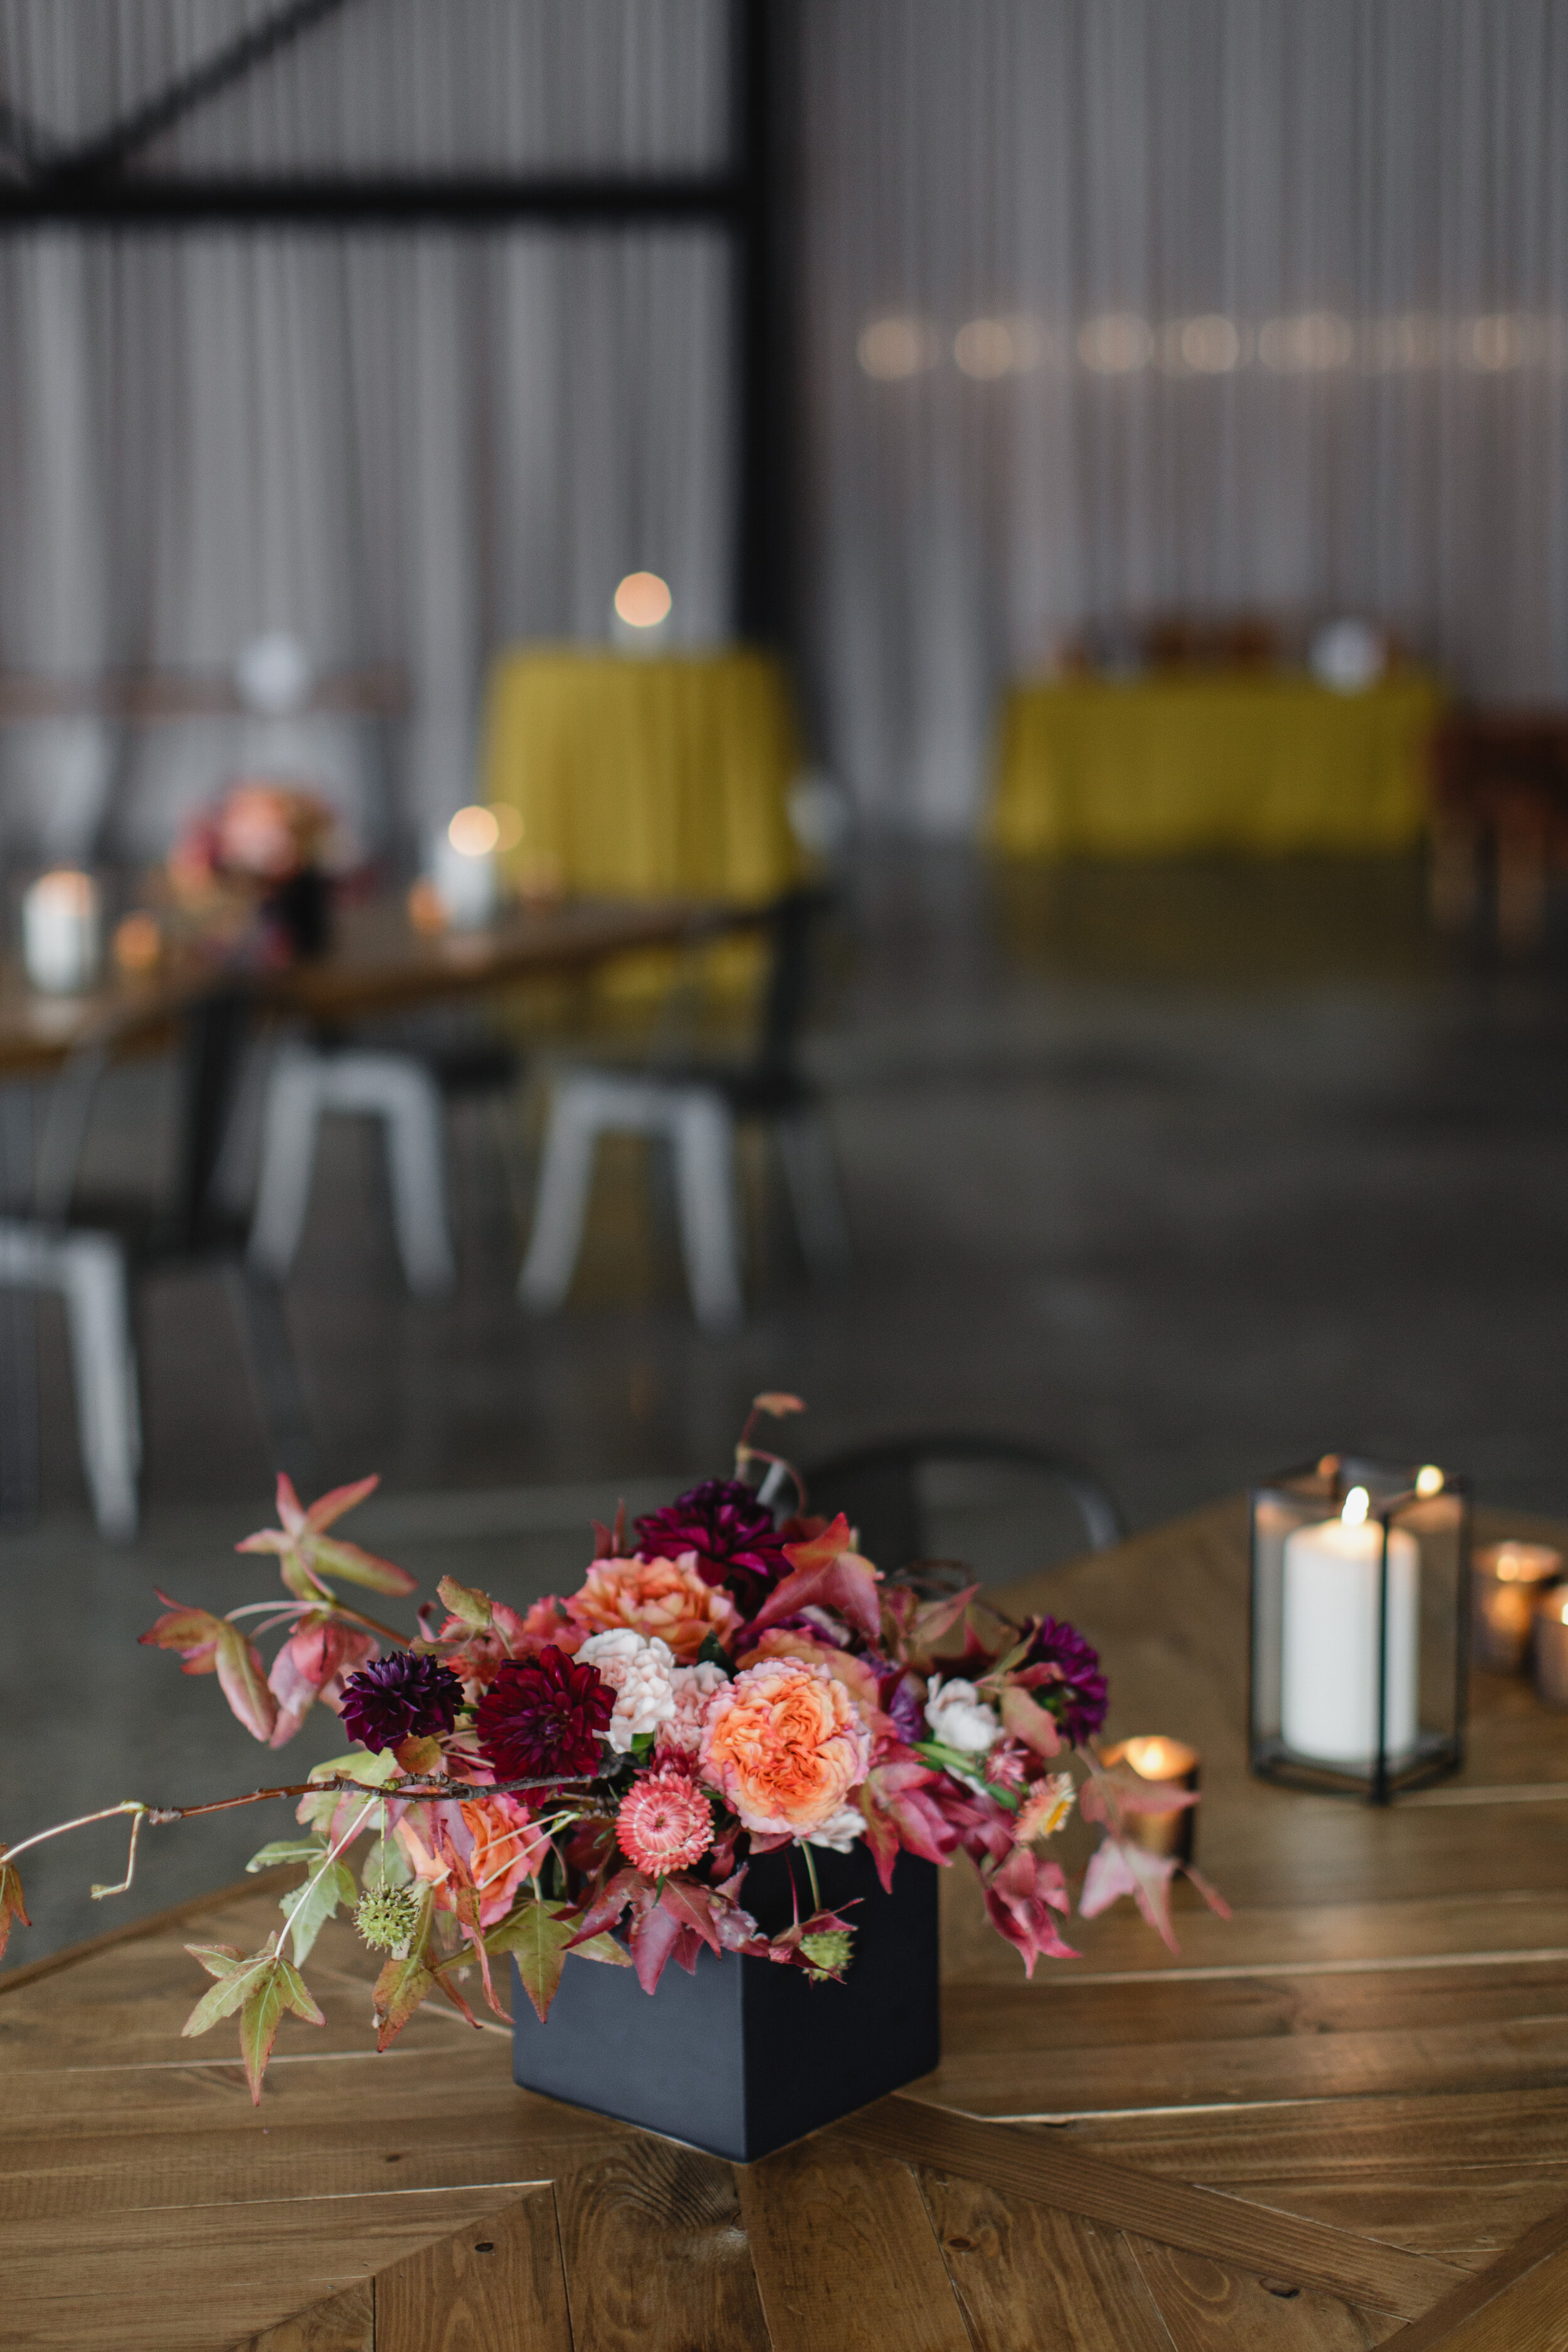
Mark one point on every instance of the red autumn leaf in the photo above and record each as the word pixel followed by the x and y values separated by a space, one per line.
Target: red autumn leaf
pixel 194 1633
pixel 776 1404
pixel 328 1507
pixel 691 1907
pixel 1116 1869
pixel 901 1810
pixel 607 1905
pixel 1030 1722
pixel 317 1655
pixel 828 1574
pixel 11 1904
pixel 244 1682
pixel 1020 1899
pixel 305 1548
pixel 654 1936
pixel 1106 1796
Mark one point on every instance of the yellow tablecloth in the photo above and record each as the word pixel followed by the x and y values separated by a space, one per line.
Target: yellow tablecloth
pixel 1164 765
pixel 645 777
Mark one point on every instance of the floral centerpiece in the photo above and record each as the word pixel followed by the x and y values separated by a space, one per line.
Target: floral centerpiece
pixel 591 1779
pixel 251 869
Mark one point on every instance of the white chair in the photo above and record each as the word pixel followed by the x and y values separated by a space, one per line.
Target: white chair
pixel 89 1270
pixel 695 1111
pixel 307 1083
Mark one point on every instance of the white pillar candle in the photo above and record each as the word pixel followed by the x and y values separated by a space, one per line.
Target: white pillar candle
pixel 1331 1638
pixel 464 871
pixel 60 932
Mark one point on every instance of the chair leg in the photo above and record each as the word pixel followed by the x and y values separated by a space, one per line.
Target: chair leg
pixel 565 1176
pixel 290 1122
pixel 705 1186
pixel 807 1154
pixel 416 1163
pixel 92 1273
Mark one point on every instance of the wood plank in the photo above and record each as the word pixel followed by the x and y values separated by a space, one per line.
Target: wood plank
pixel 845 2254
pixel 1031 2164
pixel 656 2255
pixel 496 2285
pixel 345 2323
pixel 1026 2277
pixel 1359 2140
pixel 1519 2304
pixel 1207 2306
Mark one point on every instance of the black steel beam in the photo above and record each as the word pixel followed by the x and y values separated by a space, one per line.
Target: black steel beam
pixel 331 199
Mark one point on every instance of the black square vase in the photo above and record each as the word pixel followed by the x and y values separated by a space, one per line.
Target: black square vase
pixel 745 2055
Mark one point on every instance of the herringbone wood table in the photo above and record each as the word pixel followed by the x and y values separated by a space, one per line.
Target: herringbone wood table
pixel 1340 2120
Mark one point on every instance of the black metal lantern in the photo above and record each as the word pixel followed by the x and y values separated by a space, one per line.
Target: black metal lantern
pixel 1360 1626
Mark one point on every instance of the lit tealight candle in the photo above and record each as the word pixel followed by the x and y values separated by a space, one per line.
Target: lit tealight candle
pixel 1506 1582
pixel 60 938
pixel 464 869
pixel 1551 1648
pixel 1169 1764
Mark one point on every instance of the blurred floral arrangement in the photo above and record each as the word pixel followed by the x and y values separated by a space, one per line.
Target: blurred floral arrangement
pixel 590 1778
pixel 260 850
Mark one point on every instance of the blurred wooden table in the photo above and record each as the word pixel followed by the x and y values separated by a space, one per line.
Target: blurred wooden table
pixel 378 964
pixel 1340 2120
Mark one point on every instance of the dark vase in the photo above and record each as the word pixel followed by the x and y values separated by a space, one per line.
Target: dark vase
pixel 745 2055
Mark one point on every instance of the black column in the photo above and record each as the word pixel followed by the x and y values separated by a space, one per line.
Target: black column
pixel 763 67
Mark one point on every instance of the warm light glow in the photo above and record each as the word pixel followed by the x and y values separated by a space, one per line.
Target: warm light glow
pixel 891 348
pixel 1115 344
pixel 1306 345
pixel 1429 1479
pixel 1519 1563
pixel 70 892
pixel 138 943
pixel 1358 1502
pixel 1328 1465
pixel 1157 1758
pixel 642 600
pixel 1499 340
pixel 508 824
pixel 473 832
pixel 986 348
pixel 1208 345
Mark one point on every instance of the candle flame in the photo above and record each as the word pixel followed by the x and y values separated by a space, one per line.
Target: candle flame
pixel 474 832
pixel 1157 1758
pixel 1429 1480
pixel 1358 1502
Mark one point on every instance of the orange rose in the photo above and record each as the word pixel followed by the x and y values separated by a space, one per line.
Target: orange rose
pixel 507 1848
pixel 784 1745
pixel 854 1675
pixel 666 1599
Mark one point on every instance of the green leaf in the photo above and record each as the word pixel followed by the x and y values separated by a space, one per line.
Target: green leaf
pixel 282 1850
pixel 714 1654
pixel 472 1608
pixel 537 1939
pixel 280 1987
pixel 11 1904
pixel 602 1948
pixel 332 1885
pixel 238 1975
pixel 325 1553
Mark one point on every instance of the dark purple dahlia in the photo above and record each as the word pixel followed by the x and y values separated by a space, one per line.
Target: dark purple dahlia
pixel 732 1533
pixel 1074 1690
pixel 540 1717
pixel 398 1698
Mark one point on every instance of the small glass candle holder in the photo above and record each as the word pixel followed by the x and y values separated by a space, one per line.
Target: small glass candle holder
pixel 1507 1579
pixel 1360 1626
pixel 61 932
pixel 1167 1764
pixel 1552 1647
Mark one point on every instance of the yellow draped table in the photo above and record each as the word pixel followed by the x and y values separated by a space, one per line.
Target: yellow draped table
pixel 1174 764
pixel 638 776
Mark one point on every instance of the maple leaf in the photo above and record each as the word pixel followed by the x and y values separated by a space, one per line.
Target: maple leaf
pixel 655 1933
pixel 470 1608
pixel 305 1549
pixel 194 1633
pixel 1035 1724
pixel 316 1655
pixel 900 1811
pixel 11 1904
pixel 538 1937
pixel 1115 1869
pixel 243 1680
pixel 1019 1900
pixel 829 1574
pixel 280 1987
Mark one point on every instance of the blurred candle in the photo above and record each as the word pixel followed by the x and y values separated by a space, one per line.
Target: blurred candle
pixel 1506 1582
pixel 1169 1764
pixel 464 869
pixel 1332 1636
pixel 1551 1648
pixel 60 932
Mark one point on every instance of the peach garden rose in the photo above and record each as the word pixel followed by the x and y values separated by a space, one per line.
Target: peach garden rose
pixel 663 1600
pixel 784 1745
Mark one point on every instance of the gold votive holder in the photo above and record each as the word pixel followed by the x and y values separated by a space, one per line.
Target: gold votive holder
pixel 1507 1579
pixel 1167 1764
pixel 1552 1647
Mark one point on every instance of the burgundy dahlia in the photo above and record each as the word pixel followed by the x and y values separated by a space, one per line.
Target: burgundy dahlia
pixel 1075 1690
pixel 732 1533
pixel 398 1698
pixel 540 1717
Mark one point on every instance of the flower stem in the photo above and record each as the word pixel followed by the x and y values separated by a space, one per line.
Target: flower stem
pixel 346 1840
pixel 810 1873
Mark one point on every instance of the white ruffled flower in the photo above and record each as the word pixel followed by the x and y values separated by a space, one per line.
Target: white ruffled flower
pixel 641 1672
pixel 694 1690
pixel 840 1830
pixel 960 1718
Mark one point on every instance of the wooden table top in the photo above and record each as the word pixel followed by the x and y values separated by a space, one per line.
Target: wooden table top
pixel 378 964
pixel 1339 2120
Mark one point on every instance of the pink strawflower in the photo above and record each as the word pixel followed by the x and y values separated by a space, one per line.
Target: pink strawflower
pixel 665 1824
pixel 663 1600
pixel 1007 1766
pixel 695 1687
pixel 784 1745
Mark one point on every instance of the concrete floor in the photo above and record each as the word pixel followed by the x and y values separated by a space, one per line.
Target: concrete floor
pixel 1191 1170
